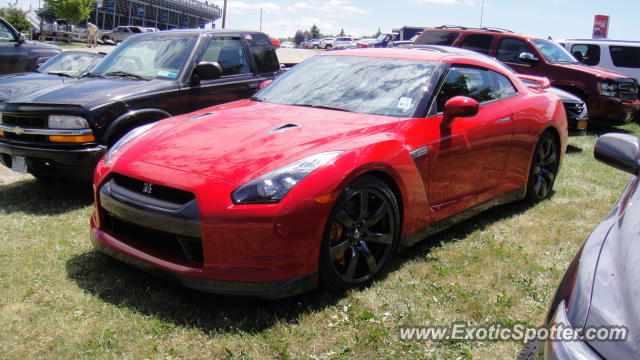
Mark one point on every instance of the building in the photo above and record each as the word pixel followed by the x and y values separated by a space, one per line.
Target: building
pixel 161 14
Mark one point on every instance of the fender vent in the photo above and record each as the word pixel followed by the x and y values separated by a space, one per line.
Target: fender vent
pixel 283 128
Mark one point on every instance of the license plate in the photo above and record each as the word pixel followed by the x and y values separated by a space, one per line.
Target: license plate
pixel 582 125
pixel 18 164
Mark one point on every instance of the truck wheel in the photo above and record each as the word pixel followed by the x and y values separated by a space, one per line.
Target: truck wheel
pixel 316 46
pixel 328 47
pixel 105 39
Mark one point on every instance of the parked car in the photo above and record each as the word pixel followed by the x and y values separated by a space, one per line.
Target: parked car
pixel 64 131
pixel 121 33
pixel 322 44
pixel 311 44
pixel 611 97
pixel 65 67
pixel 288 45
pixel 401 43
pixel 364 42
pixel 150 29
pixel 620 56
pixel 18 54
pixel 600 286
pixel 382 41
pixel 325 173
pixel 275 42
pixel 340 41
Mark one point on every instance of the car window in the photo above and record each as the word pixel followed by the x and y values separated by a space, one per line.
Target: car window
pixel 466 81
pixel 553 53
pixel 586 53
pixel 437 38
pixel 505 88
pixel 509 50
pixel 5 33
pixel 135 30
pixel 477 42
pixel 228 52
pixel 118 30
pixel 625 56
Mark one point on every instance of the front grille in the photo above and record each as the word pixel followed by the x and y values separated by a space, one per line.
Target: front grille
pixel 159 192
pixel 628 92
pixel 32 121
pixel 170 247
pixel 27 138
pixel 573 109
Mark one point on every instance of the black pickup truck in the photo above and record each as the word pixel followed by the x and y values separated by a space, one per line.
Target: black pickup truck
pixel 62 132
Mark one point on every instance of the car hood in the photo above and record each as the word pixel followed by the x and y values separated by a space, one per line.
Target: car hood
pixel 91 92
pixel 616 286
pixel 564 95
pixel 596 71
pixel 41 45
pixel 17 85
pixel 237 142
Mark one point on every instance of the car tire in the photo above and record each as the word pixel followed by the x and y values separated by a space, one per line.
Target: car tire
pixel 361 235
pixel 316 46
pixel 544 168
pixel 528 351
pixel 328 47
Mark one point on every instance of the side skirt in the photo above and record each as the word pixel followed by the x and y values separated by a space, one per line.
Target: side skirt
pixel 443 224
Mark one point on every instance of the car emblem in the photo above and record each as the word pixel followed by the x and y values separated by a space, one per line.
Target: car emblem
pixel 18 130
pixel 147 188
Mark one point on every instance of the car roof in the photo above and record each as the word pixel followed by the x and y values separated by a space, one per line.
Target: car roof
pixel 202 31
pixel 484 30
pixel 601 41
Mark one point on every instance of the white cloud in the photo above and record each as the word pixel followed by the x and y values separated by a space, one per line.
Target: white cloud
pixel 451 2
pixel 237 7
pixel 332 6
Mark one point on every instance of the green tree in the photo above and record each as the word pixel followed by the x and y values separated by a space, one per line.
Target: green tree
pixel 314 32
pixel 73 10
pixel 16 17
pixel 341 32
pixel 299 37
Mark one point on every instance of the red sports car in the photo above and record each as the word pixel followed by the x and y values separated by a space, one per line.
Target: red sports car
pixel 323 175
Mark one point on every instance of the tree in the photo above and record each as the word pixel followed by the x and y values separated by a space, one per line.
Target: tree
pixel 16 17
pixel 341 32
pixel 299 37
pixel 314 32
pixel 73 10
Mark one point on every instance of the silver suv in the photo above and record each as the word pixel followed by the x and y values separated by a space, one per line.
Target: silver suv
pixel 121 33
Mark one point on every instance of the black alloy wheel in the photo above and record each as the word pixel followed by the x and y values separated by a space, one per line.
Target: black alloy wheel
pixel 544 168
pixel 361 235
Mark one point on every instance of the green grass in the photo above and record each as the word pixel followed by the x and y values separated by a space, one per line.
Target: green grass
pixel 60 299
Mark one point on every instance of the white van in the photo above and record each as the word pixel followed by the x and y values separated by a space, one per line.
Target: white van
pixel 621 56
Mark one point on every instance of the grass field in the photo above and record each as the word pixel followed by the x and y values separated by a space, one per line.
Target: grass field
pixel 60 299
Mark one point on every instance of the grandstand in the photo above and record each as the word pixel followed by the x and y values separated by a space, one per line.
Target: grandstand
pixel 161 14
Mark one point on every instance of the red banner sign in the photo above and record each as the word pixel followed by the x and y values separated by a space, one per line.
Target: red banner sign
pixel 600 27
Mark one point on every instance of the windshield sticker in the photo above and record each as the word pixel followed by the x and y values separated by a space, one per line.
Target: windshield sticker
pixel 167 73
pixel 404 103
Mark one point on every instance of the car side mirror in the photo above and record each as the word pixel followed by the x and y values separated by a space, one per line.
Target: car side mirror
pixel 208 70
pixel 265 83
pixel 460 106
pixel 528 58
pixel 20 39
pixel 622 151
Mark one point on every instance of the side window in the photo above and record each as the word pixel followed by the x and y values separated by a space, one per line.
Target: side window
pixel 437 38
pixel 5 33
pixel 625 56
pixel 263 52
pixel 510 49
pixel 477 42
pixel 466 81
pixel 505 88
pixel 588 54
pixel 227 52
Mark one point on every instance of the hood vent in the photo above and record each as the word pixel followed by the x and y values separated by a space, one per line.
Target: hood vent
pixel 283 128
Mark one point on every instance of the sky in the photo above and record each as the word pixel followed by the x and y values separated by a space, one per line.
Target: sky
pixel 555 18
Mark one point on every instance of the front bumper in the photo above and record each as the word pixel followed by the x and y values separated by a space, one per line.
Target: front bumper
pixel 77 163
pixel 205 242
pixel 612 110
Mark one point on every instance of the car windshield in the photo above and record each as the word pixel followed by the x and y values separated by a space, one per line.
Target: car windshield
pixel 381 37
pixel 160 57
pixel 367 85
pixel 553 52
pixel 73 64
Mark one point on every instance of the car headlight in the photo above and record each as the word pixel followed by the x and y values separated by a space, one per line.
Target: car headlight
pixel 67 122
pixel 125 139
pixel 608 89
pixel 273 186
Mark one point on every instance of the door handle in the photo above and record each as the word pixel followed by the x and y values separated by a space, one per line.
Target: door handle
pixel 505 119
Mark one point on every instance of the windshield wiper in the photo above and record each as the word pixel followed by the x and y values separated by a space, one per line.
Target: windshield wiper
pixel 93 74
pixel 124 73
pixel 321 107
pixel 59 74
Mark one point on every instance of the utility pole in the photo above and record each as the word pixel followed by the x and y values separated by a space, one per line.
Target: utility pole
pixel 224 13
pixel 481 13
pixel 260 19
